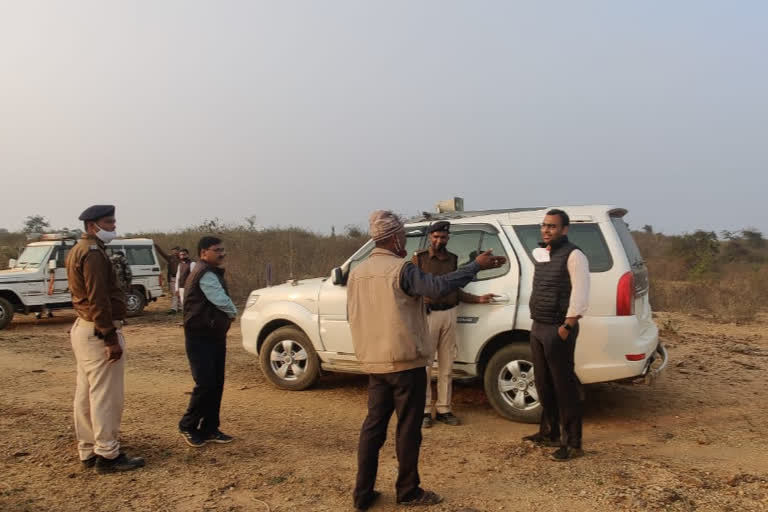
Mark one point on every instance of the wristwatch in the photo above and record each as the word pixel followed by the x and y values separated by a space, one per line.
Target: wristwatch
pixel 567 327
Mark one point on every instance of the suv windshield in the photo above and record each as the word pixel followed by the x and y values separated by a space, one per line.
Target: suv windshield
pixel 33 256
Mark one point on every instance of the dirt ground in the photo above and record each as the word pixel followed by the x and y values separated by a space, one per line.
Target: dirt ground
pixel 695 441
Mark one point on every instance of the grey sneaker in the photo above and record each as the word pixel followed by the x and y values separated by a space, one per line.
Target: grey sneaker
pixel 192 438
pixel 427 421
pixel 217 437
pixel 424 500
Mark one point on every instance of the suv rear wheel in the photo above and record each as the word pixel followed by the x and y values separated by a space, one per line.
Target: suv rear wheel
pixel 135 301
pixel 289 360
pixel 509 384
pixel 6 312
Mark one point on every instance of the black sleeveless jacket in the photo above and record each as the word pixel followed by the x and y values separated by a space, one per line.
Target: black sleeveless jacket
pixel 200 314
pixel 552 285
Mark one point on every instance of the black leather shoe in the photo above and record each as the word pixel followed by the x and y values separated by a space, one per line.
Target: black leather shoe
pixel 427 421
pixel 541 440
pixel 566 453
pixel 448 418
pixel 371 501
pixel 89 463
pixel 119 464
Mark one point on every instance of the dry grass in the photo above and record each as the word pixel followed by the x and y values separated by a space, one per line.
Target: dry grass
pixel 291 252
pixel 726 280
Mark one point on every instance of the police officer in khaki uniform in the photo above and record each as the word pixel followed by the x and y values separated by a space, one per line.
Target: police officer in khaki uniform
pixel 437 260
pixel 98 345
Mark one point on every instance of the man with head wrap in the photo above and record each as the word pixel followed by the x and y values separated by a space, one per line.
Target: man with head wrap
pixel 390 336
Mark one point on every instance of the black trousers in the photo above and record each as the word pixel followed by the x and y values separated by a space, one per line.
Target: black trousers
pixel 207 355
pixel 556 383
pixel 404 392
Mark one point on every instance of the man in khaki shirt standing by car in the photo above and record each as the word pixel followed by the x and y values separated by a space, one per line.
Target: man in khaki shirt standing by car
pixel 437 260
pixel 98 345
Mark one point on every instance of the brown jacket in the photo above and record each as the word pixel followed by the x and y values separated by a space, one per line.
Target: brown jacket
pixel 96 294
pixel 389 327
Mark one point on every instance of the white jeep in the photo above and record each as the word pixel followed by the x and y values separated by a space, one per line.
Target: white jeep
pixel 37 281
pixel 301 327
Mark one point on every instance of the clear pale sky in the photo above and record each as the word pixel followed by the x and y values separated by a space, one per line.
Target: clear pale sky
pixel 314 113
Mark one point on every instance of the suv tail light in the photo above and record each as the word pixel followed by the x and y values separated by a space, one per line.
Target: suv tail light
pixel 160 280
pixel 625 295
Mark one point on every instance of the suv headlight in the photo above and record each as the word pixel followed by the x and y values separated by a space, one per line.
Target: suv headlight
pixel 252 299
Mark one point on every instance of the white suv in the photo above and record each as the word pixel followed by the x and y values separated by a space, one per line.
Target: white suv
pixel 37 281
pixel 301 327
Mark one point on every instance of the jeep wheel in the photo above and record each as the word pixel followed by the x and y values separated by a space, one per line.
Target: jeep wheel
pixel 509 384
pixel 288 359
pixel 6 312
pixel 134 302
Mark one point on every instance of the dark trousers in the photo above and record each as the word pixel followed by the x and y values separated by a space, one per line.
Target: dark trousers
pixel 403 392
pixel 556 383
pixel 207 355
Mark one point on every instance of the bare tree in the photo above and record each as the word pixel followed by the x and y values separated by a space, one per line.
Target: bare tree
pixel 36 224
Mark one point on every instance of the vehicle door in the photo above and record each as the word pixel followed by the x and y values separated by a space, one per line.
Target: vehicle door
pixel 602 288
pixel 334 322
pixel 58 291
pixel 479 322
pixel 34 285
pixel 144 267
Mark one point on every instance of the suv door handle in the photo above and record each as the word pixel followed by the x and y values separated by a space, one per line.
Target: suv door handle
pixel 501 298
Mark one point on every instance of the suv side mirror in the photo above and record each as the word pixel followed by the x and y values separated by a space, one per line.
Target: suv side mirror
pixel 11 263
pixel 337 276
pixel 51 265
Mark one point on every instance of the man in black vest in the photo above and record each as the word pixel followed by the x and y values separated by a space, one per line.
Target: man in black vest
pixel 208 314
pixel 559 298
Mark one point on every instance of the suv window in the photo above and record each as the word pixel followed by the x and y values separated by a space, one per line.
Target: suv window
pixel 630 247
pixel 414 238
pixel 468 241
pixel 587 236
pixel 139 255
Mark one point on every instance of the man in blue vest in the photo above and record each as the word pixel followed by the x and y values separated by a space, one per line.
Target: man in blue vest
pixel 560 297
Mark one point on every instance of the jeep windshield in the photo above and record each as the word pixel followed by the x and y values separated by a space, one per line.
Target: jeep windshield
pixel 33 256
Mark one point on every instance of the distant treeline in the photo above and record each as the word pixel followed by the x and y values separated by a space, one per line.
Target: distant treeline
pixel 725 277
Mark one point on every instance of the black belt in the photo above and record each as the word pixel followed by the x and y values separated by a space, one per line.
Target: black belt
pixel 439 307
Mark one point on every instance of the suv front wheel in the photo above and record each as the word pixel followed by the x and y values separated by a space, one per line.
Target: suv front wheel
pixel 509 384
pixel 6 312
pixel 289 360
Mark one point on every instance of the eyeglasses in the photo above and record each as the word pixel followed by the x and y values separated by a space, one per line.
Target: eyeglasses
pixel 544 225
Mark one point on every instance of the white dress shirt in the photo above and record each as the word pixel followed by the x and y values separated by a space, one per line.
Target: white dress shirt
pixel 578 269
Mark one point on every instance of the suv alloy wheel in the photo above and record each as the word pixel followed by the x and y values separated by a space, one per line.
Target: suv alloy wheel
pixel 289 360
pixel 509 384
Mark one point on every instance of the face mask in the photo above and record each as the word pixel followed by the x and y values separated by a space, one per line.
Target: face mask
pixel 106 236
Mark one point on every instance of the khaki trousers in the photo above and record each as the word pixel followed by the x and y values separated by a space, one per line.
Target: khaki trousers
pixel 98 394
pixel 442 331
